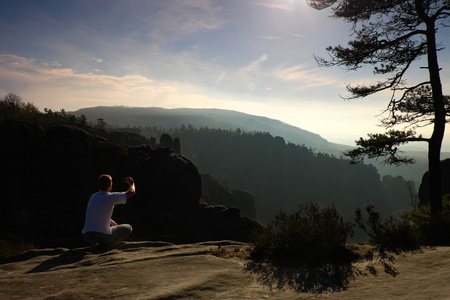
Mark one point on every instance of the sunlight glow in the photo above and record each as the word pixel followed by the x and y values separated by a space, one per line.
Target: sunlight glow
pixel 253 56
pixel 291 5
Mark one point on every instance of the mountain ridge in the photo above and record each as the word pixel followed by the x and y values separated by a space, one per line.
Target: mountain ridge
pixel 123 116
pixel 209 117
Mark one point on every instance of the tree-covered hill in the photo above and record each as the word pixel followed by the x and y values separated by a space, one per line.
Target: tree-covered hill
pixel 141 117
pixel 280 170
pixel 282 175
pixel 119 116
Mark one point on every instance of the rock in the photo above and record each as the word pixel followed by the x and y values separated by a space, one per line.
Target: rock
pixel 216 194
pixel 47 179
pixel 218 222
pixel 424 189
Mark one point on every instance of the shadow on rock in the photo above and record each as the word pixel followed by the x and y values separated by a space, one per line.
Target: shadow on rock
pixel 306 279
pixel 65 258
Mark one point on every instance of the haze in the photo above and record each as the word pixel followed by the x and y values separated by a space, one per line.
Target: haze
pixel 250 56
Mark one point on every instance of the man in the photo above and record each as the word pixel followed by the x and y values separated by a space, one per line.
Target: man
pixel 99 229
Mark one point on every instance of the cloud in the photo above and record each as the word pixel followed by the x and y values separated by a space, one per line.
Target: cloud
pixel 269 37
pixel 297 35
pixel 252 67
pixel 98 60
pixel 274 5
pixel 184 18
pixel 48 86
pixel 283 5
pixel 307 78
pixel 248 76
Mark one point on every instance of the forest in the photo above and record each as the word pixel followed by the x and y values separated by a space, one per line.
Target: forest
pixel 284 175
pixel 279 174
pixel 138 118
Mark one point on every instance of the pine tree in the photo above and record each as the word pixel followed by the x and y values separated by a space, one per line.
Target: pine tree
pixel 390 35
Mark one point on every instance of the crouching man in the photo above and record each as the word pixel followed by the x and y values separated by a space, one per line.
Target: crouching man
pixel 99 229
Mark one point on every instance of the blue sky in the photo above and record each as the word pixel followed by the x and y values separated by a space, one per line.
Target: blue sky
pixel 250 56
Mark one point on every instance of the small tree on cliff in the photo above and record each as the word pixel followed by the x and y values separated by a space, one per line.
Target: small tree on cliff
pixel 390 35
pixel 13 107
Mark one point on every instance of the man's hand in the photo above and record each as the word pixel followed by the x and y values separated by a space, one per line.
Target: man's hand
pixel 128 180
pixel 132 190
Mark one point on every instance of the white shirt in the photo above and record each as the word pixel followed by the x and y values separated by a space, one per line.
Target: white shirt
pixel 100 209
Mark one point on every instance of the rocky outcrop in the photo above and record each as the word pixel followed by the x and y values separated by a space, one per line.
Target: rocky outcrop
pixel 47 177
pixel 216 194
pixel 424 189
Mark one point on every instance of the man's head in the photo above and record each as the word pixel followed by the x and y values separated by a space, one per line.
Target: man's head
pixel 105 183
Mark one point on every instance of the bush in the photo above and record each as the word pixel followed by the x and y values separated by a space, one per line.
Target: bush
pixel 434 231
pixel 11 248
pixel 395 234
pixel 13 107
pixel 311 236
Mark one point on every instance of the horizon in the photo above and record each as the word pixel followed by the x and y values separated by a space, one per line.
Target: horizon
pixel 407 148
pixel 254 57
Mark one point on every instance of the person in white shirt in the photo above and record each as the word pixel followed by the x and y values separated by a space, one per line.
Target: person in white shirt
pixel 99 229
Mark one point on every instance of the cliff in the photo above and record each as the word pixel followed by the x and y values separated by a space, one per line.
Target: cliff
pixel 49 174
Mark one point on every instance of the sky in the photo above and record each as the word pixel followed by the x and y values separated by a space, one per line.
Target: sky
pixel 254 56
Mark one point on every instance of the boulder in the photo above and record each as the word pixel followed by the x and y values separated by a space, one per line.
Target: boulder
pixel 424 189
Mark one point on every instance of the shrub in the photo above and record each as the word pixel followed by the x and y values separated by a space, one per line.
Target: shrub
pixel 11 248
pixel 311 236
pixel 395 234
pixel 13 107
pixel 434 231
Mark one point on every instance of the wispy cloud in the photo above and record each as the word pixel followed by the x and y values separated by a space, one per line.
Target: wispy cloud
pixel 306 78
pixel 297 35
pixel 46 86
pixel 270 37
pixel 254 66
pixel 184 18
pixel 281 6
pixel 98 60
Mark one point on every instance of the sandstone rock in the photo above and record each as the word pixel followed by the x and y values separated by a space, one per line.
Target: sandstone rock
pixel 215 194
pixel 46 181
pixel 424 194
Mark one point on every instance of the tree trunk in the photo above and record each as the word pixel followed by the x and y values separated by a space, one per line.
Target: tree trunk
pixel 435 142
pixel 434 166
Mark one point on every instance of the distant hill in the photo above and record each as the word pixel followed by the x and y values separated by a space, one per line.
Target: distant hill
pixel 120 116
pixel 212 118
pixel 279 164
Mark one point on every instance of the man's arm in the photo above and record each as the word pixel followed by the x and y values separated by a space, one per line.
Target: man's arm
pixel 132 189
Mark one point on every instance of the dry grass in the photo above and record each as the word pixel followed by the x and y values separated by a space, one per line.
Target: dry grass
pixel 231 252
pixel 360 251
pixel 10 249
